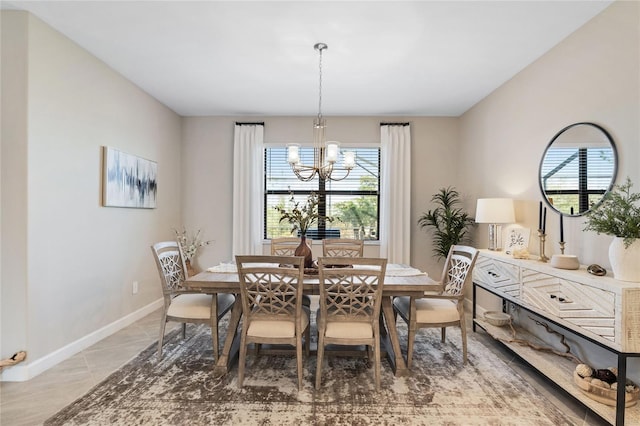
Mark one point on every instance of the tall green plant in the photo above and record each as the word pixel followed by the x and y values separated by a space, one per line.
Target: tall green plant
pixel 449 222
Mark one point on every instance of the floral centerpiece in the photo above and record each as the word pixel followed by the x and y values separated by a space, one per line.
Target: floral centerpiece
pixel 619 215
pixel 190 244
pixel 302 217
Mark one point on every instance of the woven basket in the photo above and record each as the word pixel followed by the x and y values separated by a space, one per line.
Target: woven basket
pixel 496 318
pixel 604 395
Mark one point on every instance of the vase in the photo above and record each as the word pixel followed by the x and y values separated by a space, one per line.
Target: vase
pixel 304 250
pixel 190 269
pixel 625 260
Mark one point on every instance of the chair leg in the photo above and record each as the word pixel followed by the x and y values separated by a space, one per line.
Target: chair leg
pixel 184 330
pixel 163 325
pixel 299 359
pixel 377 359
pixel 242 358
pixel 319 362
pixel 444 334
pixel 463 335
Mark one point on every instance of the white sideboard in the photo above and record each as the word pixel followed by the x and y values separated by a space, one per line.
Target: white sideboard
pixel 601 310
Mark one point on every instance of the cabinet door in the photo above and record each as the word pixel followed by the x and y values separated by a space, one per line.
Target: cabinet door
pixel 588 308
pixel 501 276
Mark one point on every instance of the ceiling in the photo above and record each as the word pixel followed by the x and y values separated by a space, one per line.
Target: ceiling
pixel 420 58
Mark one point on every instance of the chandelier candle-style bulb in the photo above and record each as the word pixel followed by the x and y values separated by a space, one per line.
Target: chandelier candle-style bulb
pixel 293 153
pixel 349 160
pixel 332 152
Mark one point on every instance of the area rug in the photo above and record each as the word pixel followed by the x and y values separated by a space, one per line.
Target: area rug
pixel 183 390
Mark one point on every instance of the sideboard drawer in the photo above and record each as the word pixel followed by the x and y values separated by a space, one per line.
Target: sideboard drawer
pixel 501 276
pixel 587 307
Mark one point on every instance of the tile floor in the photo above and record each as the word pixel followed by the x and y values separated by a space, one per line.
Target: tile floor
pixel 32 402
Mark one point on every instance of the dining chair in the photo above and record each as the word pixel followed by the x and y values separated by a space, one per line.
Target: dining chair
pixel 284 246
pixel 271 293
pixel 342 247
pixel 350 301
pixel 443 308
pixel 183 305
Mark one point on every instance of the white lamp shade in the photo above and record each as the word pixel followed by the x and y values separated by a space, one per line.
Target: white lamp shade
pixel 293 153
pixel 495 210
pixel 349 160
pixel 332 152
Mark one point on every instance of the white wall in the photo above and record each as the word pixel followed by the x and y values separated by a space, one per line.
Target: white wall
pixel 593 75
pixel 208 171
pixel 68 272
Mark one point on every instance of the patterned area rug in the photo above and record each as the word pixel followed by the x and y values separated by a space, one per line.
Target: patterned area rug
pixel 182 390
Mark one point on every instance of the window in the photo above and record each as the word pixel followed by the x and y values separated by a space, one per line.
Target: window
pixel 353 201
pixel 576 176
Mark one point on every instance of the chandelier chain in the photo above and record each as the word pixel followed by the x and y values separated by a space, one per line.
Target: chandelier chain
pixel 320 86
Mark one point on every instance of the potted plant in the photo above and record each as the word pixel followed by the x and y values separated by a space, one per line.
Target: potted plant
pixel 449 222
pixel 619 215
pixel 301 219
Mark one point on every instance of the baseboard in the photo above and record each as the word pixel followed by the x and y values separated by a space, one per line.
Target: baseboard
pixel 27 370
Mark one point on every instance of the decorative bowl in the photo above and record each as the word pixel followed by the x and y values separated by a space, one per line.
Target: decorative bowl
pixel 605 395
pixel 496 318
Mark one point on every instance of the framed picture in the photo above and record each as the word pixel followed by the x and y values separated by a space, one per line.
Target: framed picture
pixel 516 238
pixel 128 180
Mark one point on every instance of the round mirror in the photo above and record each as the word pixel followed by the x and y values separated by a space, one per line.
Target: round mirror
pixel 578 167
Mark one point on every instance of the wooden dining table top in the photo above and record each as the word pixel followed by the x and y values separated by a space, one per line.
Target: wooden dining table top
pixel 227 282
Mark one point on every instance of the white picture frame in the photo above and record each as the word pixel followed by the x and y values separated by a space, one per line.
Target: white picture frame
pixel 516 238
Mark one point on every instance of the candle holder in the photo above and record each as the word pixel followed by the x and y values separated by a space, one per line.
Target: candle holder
pixel 562 243
pixel 543 237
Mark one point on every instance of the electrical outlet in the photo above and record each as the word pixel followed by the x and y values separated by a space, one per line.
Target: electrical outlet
pixel 135 287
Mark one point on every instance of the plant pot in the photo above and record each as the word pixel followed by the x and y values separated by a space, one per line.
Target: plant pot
pixel 624 261
pixel 304 250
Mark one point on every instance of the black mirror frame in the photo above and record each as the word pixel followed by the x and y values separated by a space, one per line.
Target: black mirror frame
pixel 544 154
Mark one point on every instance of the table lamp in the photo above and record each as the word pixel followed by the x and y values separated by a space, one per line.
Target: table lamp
pixel 495 211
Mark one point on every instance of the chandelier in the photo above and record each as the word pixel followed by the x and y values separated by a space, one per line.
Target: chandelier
pixel 325 154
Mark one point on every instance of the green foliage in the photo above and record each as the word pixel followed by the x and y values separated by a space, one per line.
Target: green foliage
pixel 301 218
pixel 618 214
pixel 450 224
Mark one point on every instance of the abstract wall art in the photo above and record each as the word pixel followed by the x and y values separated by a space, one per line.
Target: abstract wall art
pixel 128 180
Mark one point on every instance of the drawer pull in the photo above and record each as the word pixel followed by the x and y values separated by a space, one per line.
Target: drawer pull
pixel 560 298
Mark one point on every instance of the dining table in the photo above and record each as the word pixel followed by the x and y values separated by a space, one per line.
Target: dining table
pixel 400 280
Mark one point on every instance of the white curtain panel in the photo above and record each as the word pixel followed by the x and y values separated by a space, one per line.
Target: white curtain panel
pixel 395 193
pixel 248 166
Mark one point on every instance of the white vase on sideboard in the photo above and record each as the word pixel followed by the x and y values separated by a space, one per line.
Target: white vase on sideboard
pixel 625 261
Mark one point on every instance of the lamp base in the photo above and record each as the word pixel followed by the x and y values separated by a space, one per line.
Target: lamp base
pixel 495 237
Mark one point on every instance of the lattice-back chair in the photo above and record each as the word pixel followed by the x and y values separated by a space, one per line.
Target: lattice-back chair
pixel 271 291
pixel 180 304
pixel 284 246
pixel 342 247
pixel 350 301
pixel 443 309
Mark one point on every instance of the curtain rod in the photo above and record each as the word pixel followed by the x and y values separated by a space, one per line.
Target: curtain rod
pixel 395 124
pixel 259 123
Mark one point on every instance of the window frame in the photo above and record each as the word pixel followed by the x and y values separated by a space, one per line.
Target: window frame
pixel 322 193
